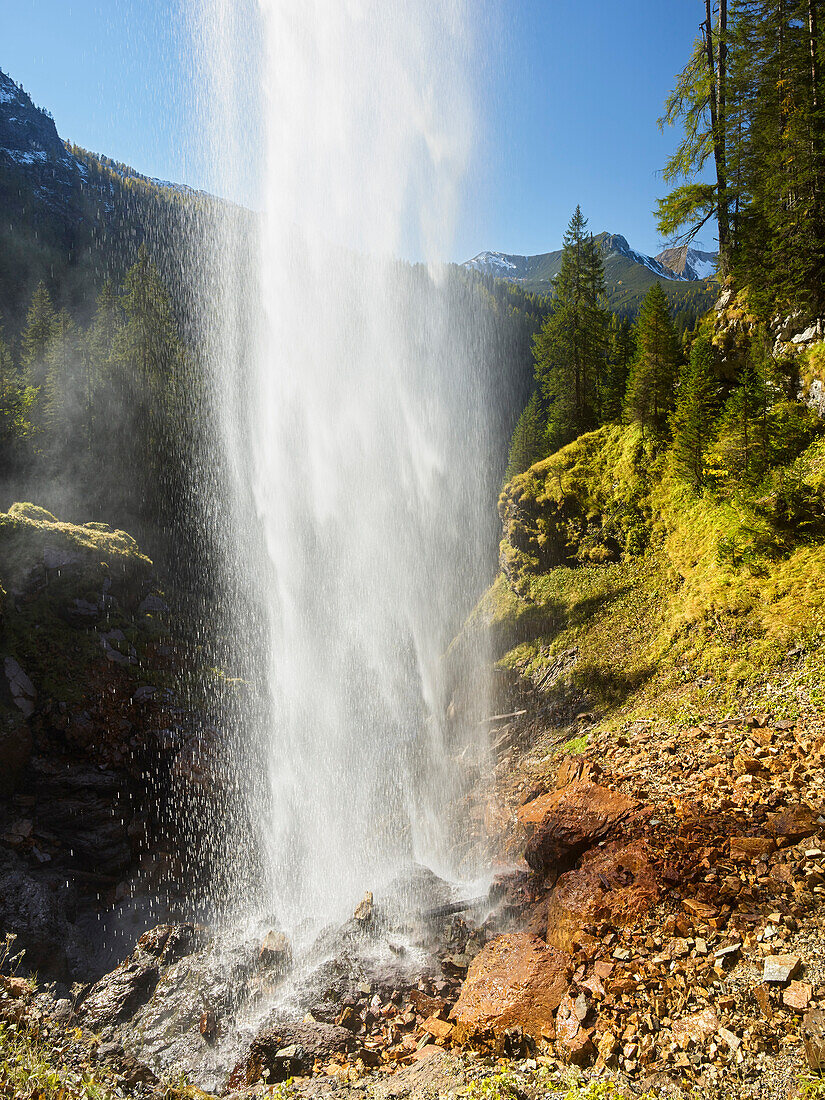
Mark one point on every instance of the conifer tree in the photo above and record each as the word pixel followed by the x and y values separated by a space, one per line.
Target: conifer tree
pixel 622 345
pixel 37 335
pixel 61 397
pixel 529 443
pixel 652 381
pixel 744 434
pixel 692 420
pixel 571 349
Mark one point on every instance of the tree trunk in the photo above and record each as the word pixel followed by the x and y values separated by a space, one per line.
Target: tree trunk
pixel 717 68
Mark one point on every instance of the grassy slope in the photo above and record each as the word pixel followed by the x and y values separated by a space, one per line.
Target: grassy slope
pixel 678 602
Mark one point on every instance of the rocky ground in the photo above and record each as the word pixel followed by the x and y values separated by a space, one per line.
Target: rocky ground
pixel 664 931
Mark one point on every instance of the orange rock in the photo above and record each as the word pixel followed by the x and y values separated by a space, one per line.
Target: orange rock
pixel 517 980
pixel 570 820
pixel 439 1029
pixel 573 1042
pixel 751 847
pixel 697 1028
pixel 616 883
pixel 797 995
pixel 794 822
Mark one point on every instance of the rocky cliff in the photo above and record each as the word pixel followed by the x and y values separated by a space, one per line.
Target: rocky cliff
pixel 93 736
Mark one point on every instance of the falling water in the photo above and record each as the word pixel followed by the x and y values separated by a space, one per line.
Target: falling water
pixel 352 394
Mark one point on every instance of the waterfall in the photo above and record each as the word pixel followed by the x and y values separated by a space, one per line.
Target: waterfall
pixel 352 397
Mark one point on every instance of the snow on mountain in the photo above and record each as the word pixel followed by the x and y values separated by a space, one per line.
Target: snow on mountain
pixel 675 264
pixel 690 263
pixel 494 263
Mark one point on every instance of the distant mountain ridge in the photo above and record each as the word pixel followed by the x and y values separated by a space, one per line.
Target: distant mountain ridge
pixel 73 218
pixel 674 264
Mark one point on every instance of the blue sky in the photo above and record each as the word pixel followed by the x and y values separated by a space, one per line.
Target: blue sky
pixel 569 94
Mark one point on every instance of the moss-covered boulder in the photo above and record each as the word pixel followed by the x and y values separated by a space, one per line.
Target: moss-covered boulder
pixel 588 503
pixel 70 595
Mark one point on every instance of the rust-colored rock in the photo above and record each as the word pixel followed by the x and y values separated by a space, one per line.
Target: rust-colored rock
pixel 751 847
pixel 571 820
pixel 793 823
pixel 573 1042
pixel 517 980
pixel 616 883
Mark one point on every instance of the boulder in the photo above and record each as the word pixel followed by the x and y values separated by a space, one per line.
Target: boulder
pixel 517 980
pixel 617 884
pixel 289 1049
pixel 573 1041
pixel 571 820
pixel 793 823
pixel 117 996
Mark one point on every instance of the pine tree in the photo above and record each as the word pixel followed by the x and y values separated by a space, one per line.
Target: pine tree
pixel 37 335
pixel 529 442
pixel 147 360
pixel 744 435
pixel 652 381
pixel 62 394
pixel 622 345
pixel 570 351
pixel 692 420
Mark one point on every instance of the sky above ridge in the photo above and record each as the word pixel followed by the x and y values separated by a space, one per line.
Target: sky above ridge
pixel 568 96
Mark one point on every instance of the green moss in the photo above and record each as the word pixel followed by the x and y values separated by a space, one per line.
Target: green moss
pixel 575 745
pixel 705 596
pixel 47 565
pixel 32 511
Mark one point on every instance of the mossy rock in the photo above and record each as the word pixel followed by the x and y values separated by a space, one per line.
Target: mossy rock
pixel 31 539
pixel 589 503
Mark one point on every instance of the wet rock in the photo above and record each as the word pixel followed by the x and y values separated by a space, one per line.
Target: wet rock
pixel 117 996
pixel 208 1026
pixel 86 811
pixel 516 981
pixel 616 883
pixel 571 820
pixel 363 910
pixel 36 908
pixel 275 953
pixel 20 686
pixel 289 1049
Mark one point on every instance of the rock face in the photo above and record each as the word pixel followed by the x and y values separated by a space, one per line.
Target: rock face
pixel 92 754
pixel 290 1049
pixel 617 883
pixel 117 996
pixel 571 820
pixel 517 981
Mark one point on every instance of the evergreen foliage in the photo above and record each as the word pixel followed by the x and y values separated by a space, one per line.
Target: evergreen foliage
pixel 751 101
pixel 652 381
pixel 529 442
pixel 571 348
pixel 692 420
